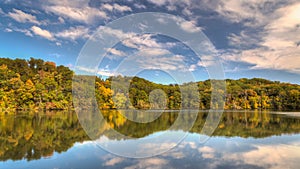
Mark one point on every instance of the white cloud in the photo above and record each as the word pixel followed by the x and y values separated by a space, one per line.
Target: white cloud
pixel 114 51
pixel 41 32
pixel 243 39
pixel 262 58
pixel 139 6
pixel 251 13
pixel 287 59
pixel 171 2
pixel 107 7
pixel 116 7
pixel 153 55
pixel 1 11
pixel 278 42
pixel 247 11
pixel 61 20
pixel 150 54
pixel 192 68
pixel 7 1
pixel 74 33
pixel 8 30
pixel 118 33
pixel 166 62
pixel 145 43
pixel 23 17
pixel 107 73
pixel 56 55
pixel 70 3
pixel 103 72
pixel 289 18
pixel 206 61
pixel 86 69
pixel 171 7
pixel 13 29
pixel 158 2
pixel 83 14
pixel 189 27
pixel 187 12
pixel 153 52
pixel 284 31
pixel 25 31
pixel 81 11
pixel 57 43
pixel 141 41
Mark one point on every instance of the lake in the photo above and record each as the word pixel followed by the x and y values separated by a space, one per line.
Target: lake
pixel 56 140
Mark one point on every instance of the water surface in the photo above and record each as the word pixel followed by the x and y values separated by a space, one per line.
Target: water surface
pixel 242 140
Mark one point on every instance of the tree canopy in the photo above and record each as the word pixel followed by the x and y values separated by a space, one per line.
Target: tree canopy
pixel 38 84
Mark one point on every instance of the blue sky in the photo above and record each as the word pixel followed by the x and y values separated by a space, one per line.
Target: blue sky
pixel 253 38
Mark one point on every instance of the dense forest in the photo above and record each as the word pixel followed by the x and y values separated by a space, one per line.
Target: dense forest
pixel 36 84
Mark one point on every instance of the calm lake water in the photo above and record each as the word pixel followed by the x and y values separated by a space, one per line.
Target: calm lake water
pixel 56 140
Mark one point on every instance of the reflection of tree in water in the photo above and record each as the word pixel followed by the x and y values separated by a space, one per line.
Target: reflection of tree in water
pixel 137 130
pixel 256 124
pixel 35 136
pixel 242 124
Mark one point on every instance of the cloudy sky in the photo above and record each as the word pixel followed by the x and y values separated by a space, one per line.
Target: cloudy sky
pixel 254 38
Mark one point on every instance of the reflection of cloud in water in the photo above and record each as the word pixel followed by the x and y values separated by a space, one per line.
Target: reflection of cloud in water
pixel 236 147
pixel 149 148
pixel 251 155
pixel 192 145
pixel 153 163
pixel 206 149
pixel 175 154
pixel 224 153
pixel 84 144
pixel 185 144
pixel 114 161
pixel 207 152
pixel 274 157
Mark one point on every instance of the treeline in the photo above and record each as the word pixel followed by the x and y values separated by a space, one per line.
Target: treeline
pixel 239 94
pixel 36 84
